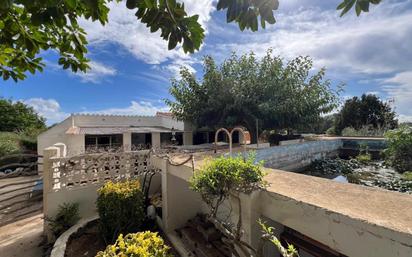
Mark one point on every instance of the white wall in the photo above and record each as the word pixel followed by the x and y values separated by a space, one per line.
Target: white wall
pixel 349 235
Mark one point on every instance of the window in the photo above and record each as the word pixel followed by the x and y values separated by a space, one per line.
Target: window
pixel 103 142
pixel 141 141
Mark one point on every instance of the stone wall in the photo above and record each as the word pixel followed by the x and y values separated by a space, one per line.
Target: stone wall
pixel 297 156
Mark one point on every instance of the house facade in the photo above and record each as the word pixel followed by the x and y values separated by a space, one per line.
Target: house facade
pixel 90 132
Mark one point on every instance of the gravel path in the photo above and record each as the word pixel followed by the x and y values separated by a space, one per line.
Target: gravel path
pixel 22 238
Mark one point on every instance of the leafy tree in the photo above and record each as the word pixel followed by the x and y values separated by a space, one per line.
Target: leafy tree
pixel 360 6
pixel 368 110
pixel 28 27
pixel 242 89
pixel 19 117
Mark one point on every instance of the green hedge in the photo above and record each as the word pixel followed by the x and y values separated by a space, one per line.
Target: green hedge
pixel 143 244
pixel 121 208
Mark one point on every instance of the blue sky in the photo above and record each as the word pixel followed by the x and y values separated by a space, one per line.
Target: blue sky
pixel 132 68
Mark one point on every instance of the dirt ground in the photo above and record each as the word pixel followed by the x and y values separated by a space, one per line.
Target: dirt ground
pixel 22 238
pixel 87 244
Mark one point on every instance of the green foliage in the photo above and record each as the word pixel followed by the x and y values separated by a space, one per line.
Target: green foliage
pixel 67 216
pixel 221 176
pixel 269 235
pixel 368 114
pixel 121 208
pixel 9 143
pixel 247 13
pixel 407 176
pixel 364 158
pixel 143 244
pixel 29 27
pixel 19 117
pixel 364 131
pixel 399 151
pixel 331 131
pixel 360 6
pixel 333 166
pixel 242 89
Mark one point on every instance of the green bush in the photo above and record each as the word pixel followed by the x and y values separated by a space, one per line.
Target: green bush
pixel 399 151
pixel 220 176
pixel 143 244
pixel 364 158
pixel 9 143
pixel 407 176
pixel 67 216
pixel 331 131
pixel 121 208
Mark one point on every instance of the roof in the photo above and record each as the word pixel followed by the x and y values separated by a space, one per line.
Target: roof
pixel 167 114
pixel 116 130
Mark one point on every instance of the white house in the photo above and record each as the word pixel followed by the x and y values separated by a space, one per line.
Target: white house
pixel 83 132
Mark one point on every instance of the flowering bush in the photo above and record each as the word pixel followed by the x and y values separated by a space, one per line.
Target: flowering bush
pixel 143 244
pixel 121 208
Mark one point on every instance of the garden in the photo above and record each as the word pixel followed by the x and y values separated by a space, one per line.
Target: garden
pixel 126 224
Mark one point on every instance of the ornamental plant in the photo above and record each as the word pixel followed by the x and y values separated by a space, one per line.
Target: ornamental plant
pixel 223 179
pixel 121 208
pixel 222 176
pixel 399 151
pixel 143 244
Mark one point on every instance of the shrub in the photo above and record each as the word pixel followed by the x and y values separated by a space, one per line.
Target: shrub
pixel 220 176
pixel 143 244
pixel 9 143
pixel 331 131
pixel 407 176
pixel 364 158
pixel 399 151
pixel 121 208
pixel 67 216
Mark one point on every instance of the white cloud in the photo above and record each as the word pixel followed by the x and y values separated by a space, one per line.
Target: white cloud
pixel 97 72
pixel 405 118
pixel 374 43
pixel 51 109
pixel 399 87
pixel 47 108
pixel 135 108
pixel 125 30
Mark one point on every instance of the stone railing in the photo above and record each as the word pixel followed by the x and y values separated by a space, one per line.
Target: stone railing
pixel 69 173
